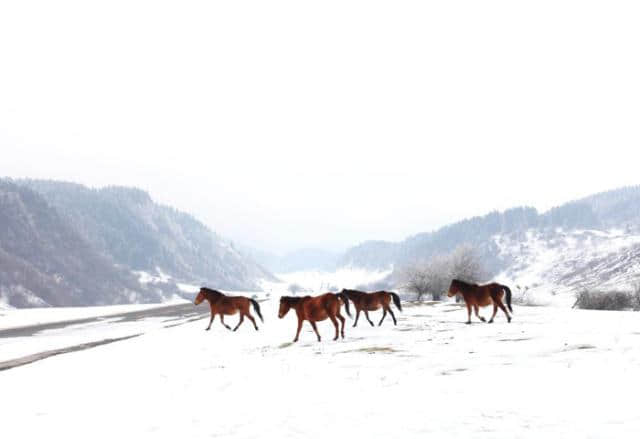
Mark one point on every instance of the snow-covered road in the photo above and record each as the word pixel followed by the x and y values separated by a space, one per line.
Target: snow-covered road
pixel 553 372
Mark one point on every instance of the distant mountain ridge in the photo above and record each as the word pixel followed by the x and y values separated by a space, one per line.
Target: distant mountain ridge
pixel 615 209
pixel 106 234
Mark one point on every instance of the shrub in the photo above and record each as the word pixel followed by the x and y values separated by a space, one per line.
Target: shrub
pixel 606 300
pixel 522 297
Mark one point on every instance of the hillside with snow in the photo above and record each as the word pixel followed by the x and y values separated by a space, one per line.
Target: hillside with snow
pixel 553 266
pixel 64 244
pixel 592 243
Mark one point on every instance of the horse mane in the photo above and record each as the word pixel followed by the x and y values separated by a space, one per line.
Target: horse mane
pixel 210 291
pixel 291 300
pixel 463 283
pixel 347 291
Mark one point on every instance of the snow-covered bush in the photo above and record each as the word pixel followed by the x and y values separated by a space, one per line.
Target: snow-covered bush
pixel 636 297
pixel 606 300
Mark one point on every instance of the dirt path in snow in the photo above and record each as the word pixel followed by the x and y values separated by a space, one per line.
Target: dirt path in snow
pixel 186 311
pixel 174 315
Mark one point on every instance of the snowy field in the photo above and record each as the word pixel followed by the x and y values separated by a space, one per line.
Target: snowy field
pixel 553 372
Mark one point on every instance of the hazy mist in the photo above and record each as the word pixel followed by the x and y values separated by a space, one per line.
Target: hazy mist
pixel 285 124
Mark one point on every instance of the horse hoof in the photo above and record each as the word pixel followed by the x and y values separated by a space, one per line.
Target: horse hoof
pixel 467 323
pixel 490 321
pixel 206 329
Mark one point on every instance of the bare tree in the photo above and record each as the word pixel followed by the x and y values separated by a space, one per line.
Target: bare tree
pixel 414 280
pixel 428 278
pixel 466 265
pixel 434 276
pixel 437 274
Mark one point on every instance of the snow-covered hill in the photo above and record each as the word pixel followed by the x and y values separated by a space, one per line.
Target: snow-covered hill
pixel 64 244
pixel 592 243
pixel 552 265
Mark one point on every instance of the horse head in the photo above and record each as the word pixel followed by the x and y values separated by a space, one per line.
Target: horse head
pixel 285 306
pixel 208 294
pixel 200 297
pixel 453 288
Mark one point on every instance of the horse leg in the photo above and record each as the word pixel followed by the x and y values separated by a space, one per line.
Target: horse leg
pixel 250 317
pixel 239 323
pixel 366 314
pixel 223 323
pixel 342 321
pixel 315 328
pixel 384 314
pixel 504 310
pixel 210 321
pixel 357 317
pixel 495 310
pixel 475 308
pixel 335 323
pixel 298 331
pixel 393 316
pixel 469 313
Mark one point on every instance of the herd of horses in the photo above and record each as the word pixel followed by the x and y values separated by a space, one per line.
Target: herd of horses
pixel 328 306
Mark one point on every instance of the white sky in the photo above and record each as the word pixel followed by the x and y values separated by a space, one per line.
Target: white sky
pixel 293 124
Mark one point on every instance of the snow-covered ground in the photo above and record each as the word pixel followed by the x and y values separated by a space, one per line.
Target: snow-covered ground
pixel 555 265
pixel 553 372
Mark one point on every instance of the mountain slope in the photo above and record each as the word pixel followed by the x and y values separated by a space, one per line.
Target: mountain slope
pixel 44 261
pixel 596 235
pixel 64 244
pixel 127 225
pixel 549 265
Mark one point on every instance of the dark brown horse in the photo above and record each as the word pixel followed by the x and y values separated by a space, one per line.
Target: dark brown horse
pixel 228 306
pixel 373 301
pixel 315 309
pixel 482 295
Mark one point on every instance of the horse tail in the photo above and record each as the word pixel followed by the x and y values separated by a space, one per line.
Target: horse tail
pixel 256 308
pixel 345 299
pixel 396 300
pixel 508 292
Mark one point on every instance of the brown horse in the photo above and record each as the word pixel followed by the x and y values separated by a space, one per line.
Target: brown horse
pixel 227 306
pixel 315 309
pixel 373 301
pixel 482 295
